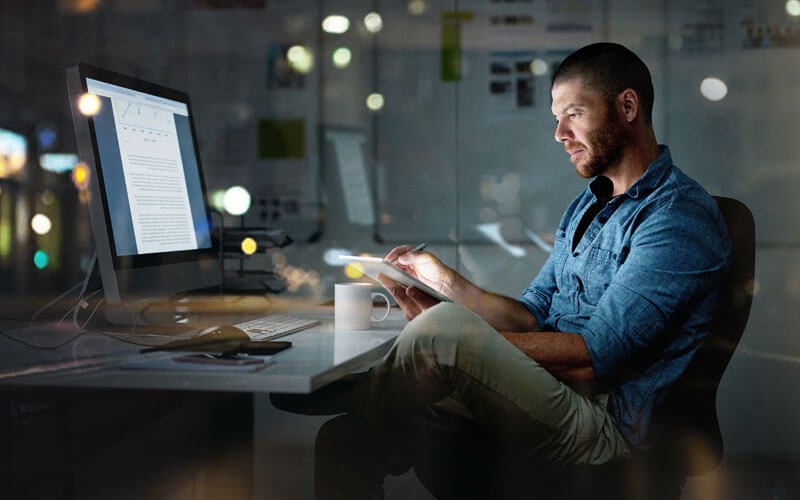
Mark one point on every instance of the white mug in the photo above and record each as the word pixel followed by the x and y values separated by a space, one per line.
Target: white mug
pixel 353 306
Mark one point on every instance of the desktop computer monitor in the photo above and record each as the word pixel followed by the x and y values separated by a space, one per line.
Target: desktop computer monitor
pixel 150 221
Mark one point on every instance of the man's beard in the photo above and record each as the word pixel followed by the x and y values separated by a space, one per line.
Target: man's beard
pixel 606 143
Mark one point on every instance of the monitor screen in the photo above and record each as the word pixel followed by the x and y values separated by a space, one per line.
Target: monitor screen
pixel 152 179
pixel 150 220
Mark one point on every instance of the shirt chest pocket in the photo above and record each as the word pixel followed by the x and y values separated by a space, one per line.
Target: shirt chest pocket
pixel 598 270
pixel 560 255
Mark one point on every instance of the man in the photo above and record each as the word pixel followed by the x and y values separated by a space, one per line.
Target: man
pixel 620 306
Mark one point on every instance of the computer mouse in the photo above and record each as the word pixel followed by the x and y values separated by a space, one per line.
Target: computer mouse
pixel 223 332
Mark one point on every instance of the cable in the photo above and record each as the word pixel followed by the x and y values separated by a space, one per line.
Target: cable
pixel 44 307
pixel 83 285
pixel 44 348
pixel 91 315
pixel 82 304
pixel 118 337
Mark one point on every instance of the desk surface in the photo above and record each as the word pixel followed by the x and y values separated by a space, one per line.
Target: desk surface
pixel 318 356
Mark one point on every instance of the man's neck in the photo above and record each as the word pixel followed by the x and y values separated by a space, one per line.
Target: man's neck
pixel 633 164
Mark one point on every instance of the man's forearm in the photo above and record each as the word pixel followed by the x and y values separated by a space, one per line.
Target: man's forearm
pixel 563 354
pixel 501 312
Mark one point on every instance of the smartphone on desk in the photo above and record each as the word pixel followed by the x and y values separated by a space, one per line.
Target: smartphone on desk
pixel 218 360
pixel 223 345
pixel 264 346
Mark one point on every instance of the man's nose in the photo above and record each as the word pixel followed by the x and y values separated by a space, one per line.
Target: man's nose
pixel 563 133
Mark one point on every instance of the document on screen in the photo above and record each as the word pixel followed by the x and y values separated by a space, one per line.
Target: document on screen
pixel 154 177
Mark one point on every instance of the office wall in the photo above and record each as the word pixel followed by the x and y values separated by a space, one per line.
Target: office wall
pixel 454 157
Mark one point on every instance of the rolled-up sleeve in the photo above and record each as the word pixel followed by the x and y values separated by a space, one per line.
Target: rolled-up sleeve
pixel 538 296
pixel 675 256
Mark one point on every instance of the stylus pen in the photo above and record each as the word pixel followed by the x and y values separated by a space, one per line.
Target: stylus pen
pixel 415 249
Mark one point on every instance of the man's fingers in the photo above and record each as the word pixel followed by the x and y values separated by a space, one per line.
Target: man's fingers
pixel 421 298
pixel 410 307
pixel 396 252
pixel 391 286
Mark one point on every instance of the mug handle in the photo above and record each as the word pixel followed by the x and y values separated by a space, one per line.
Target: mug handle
pixel 388 306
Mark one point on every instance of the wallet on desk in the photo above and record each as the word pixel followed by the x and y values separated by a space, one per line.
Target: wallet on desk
pixel 225 346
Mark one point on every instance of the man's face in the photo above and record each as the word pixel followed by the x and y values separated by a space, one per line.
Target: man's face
pixel 589 126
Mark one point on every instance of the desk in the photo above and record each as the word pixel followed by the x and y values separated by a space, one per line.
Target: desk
pixel 104 432
pixel 318 356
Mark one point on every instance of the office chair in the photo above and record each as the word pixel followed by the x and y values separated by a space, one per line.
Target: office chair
pixel 454 465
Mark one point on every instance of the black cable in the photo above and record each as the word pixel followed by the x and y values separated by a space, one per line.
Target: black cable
pixel 117 337
pixel 44 348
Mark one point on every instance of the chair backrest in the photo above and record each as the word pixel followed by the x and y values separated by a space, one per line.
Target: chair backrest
pixel 694 433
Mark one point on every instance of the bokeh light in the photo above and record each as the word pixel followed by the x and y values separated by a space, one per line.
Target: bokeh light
pixel 41 224
pixel 249 246
pixel 375 101
pixel 80 176
pixel 58 162
pixel 13 152
pixel 217 199
pixel 236 200
pixel 79 6
pixel 713 89
pixel 373 22
pixel 539 67
pixel 335 24
pixel 40 259
pixel 417 7
pixel 332 256
pixel 46 135
pixel 793 7
pixel 341 57
pixel 300 58
pixel 354 270
pixel 89 104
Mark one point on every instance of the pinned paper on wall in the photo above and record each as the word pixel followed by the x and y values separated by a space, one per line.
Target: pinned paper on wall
pixel 451 44
pixel 511 82
pixel 356 191
pixel 281 139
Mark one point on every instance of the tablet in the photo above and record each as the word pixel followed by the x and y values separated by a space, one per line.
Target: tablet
pixel 373 266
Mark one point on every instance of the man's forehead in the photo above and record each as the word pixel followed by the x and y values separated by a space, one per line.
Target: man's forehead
pixel 571 92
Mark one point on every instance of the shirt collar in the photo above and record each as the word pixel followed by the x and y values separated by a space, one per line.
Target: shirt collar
pixel 649 181
pixel 654 174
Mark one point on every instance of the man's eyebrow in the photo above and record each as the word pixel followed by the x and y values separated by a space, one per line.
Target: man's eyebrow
pixel 571 105
pixel 563 110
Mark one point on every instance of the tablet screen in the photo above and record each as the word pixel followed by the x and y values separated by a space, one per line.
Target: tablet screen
pixel 373 266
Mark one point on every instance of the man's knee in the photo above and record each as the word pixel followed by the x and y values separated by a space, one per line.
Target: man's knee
pixel 445 329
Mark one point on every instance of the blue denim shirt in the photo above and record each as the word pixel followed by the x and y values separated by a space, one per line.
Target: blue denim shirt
pixel 639 287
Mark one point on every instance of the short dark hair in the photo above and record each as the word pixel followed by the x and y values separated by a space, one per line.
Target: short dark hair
pixel 609 68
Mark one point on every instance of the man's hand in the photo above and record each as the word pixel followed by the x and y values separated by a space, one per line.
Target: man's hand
pixel 502 313
pixel 426 268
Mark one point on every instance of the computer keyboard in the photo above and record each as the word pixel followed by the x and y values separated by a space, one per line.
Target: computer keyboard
pixel 273 326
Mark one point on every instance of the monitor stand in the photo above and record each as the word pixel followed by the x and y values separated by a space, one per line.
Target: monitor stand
pixel 197 307
pixel 187 309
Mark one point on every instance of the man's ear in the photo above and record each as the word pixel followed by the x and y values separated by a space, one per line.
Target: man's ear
pixel 630 104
